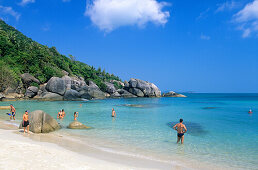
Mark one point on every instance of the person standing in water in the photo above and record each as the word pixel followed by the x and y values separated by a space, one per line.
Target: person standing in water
pixel 113 113
pixel 59 115
pixel 25 121
pixel 63 113
pixel 13 112
pixel 181 130
pixel 75 115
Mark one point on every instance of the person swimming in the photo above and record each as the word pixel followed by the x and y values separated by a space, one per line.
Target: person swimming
pixel 250 111
pixel 63 113
pixel 181 130
pixel 75 115
pixel 113 113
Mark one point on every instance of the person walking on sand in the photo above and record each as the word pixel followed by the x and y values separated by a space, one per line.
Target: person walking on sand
pixel 25 121
pixel 181 130
pixel 113 113
pixel 13 112
pixel 75 115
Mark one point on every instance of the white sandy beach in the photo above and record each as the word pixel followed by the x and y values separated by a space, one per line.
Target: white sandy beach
pixel 23 151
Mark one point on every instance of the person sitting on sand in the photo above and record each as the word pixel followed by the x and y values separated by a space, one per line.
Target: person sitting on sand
pixel 63 113
pixel 75 115
pixel 12 112
pixel 181 130
pixel 25 121
pixel 113 113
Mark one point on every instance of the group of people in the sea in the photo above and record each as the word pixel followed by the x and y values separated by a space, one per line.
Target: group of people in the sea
pixel 179 127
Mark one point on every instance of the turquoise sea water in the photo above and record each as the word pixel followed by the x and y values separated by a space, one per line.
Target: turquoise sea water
pixel 220 130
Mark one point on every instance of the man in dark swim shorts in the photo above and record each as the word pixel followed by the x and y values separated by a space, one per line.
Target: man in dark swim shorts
pixel 25 121
pixel 12 112
pixel 181 130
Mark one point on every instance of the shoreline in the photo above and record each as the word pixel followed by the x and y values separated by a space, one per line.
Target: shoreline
pixel 54 143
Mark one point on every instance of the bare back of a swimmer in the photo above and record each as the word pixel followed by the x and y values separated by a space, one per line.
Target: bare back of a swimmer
pixel 181 130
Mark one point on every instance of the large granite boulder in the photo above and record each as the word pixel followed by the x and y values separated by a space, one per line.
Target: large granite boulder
pixel 126 84
pixel 2 96
pixel 48 96
pixel 56 85
pixel 68 82
pixel 28 78
pixel 77 125
pixel 136 92
pixel 72 95
pixel 110 88
pixel 172 94
pixel 41 122
pixel 115 95
pixel 148 89
pixel 91 93
pixel 31 91
pixel 125 93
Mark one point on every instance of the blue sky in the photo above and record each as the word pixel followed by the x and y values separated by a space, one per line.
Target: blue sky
pixel 180 45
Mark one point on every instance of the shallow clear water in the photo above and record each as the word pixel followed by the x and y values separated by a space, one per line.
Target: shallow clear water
pixel 220 130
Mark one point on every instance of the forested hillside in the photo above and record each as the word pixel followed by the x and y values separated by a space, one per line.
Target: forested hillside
pixel 20 54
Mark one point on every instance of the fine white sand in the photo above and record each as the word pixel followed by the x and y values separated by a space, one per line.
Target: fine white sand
pixel 18 151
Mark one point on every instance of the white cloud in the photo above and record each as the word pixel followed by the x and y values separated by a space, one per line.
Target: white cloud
pixel 111 14
pixel 228 5
pixel 205 37
pixel 203 14
pixel 66 0
pixel 25 2
pixel 9 11
pixel 248 19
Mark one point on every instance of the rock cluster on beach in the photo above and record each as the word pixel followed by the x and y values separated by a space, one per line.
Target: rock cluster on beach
pixel 76 88
pixel 41 122
pixel 172 94
pixel 77 125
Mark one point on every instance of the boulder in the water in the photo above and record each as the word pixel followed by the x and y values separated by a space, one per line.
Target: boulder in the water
pixel 41 122
pixel 77 125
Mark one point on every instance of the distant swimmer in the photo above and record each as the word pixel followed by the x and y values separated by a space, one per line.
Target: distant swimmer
pixel 75 115
pixel 25 121
pixel 113 113
pixel 13 112
pixel 250 111
pixel 181 130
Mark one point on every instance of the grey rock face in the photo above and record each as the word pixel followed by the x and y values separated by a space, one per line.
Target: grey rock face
pixel 92 93
pixel 173 94
pixel 72 95
pixel 126 84
pixel 115 95
pixel 125 93
pixel 148 89
pixel 28 78
pixel 2 96
pixel 77 125
pixel 48 96
pixel 110 88
pixel 31 91
pixel 41 122
pixel 136 92
pixel 56 85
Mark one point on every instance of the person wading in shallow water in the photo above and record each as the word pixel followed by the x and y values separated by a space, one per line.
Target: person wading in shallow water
pixel 181 130
pixel 113 113
pixel 75 115
pixel 13 112
pixel 25 121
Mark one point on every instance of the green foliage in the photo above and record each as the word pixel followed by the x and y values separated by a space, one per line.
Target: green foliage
pixel 21 54
pixel 117 85
pixel 8 78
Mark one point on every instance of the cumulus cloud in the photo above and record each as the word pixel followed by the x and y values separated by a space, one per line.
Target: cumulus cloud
pixel 228 5
pixel 108 15
pixel 247 18
pixel 25 2
pixel 205 37
pixel 203 14
pixel 9 11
